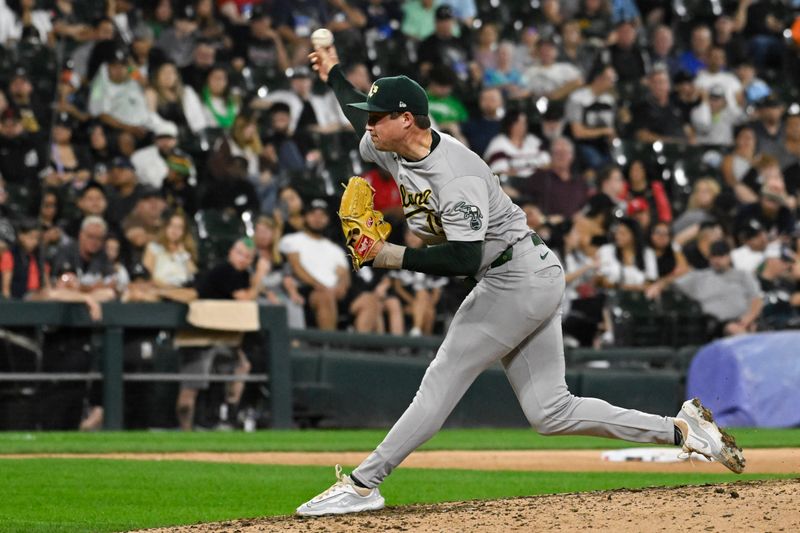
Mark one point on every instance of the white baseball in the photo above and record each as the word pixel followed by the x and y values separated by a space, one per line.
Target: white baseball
pixel 321 38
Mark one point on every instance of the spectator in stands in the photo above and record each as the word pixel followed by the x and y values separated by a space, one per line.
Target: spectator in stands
pixel 168 99
pixel 505 75
pixel 753 87
pixel 739 162
pixel 289 214
pixel 549 78
pixel 790 148
pixel 320 266
pixel 22 154
pixel 87 259
pixel 656 118
pixel 204 58
pixel 698 249
pixel 283 149
pixel 237 169
pixel 220 104
pixel 442 48
pixel 525 49
pixel 771 210
pixel 480 130
pixel 594 17
pixel 418 19
pixel 727 35
pixel 118 101
pixel 70 161
pixel 178 40
pixel 626 56
pixel 696 58
pixel 753 250
pixel 445 108
pixel 670 260
pixel 144 56
pixel 22 269
pixel 229 280
pixel 575 50
pixel 463 10
pixel 113 249
pixel 583 299
pixel 714 119
pixel 730 296
pixel 700 208
pixel 277 286
pixel 261 46
pixel 91 200
pixel 418 292
pixel 627 263
pixel 171 259
pixel 685 96
pixel 652 192
pixel 662 49
pixel 154 164
pixel 591 113
pixel 594 221
pixel 764 24
pixel 716 77
pixel 769 124
pixel 35 115
pixel 549 18
pixel 486 48
pixel 366 301
pixel 515 153
pixel 96 50
pixel 558 190
pixel 125 189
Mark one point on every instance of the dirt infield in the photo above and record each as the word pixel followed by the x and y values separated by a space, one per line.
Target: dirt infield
pixel 761 461
pixel 751 506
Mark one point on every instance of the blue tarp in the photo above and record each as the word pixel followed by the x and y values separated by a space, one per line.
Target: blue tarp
pixel 750 380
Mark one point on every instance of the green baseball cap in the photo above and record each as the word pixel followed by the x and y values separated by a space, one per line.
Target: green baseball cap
pixel 397 93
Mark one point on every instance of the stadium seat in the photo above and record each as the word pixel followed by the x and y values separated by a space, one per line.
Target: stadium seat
pixel 637 320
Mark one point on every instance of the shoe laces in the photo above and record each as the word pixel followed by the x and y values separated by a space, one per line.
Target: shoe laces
pixel 341 480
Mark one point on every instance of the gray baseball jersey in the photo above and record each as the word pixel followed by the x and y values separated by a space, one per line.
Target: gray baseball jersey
pixel 451 195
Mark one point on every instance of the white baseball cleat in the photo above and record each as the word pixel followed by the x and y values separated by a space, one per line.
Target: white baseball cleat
pixel 343 497
pixel 702 435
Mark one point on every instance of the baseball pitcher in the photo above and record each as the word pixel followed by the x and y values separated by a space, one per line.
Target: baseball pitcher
pixel 455 204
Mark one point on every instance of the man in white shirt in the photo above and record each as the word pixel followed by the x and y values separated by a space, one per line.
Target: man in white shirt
pixel 716 75
pixel 755 248
pixel 319 264
pixel 117 100
pixel 714 119
pixel 553 80
pixel 152 163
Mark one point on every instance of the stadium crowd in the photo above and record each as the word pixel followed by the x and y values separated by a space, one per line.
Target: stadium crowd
pixel 169 149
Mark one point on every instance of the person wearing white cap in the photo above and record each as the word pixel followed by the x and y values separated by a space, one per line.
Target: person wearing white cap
pixel 154 163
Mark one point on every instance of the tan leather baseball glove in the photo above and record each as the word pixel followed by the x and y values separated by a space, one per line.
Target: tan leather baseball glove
pixel 362 225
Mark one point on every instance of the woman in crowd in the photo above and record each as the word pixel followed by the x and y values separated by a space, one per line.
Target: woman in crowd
pixel 220 107
pixel 168 100
pixel 652 192
pixel 515 153
pixel 171 259
pixel 71 163
pixel 627 263
pixel 235 166
pixel 276 286
pixel 739 163
pixel 699 209
pixel 670 260
pixel 583 298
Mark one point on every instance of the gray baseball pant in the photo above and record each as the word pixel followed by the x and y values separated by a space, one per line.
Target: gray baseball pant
pixel 512 314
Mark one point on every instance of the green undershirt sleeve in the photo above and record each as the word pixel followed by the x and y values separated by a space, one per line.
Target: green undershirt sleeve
pixel 347 94
pixel 456 258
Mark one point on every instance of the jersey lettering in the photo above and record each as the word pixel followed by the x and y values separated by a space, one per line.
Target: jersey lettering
pixel 418 198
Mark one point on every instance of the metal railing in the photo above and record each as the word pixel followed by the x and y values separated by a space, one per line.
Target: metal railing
pixel 118 317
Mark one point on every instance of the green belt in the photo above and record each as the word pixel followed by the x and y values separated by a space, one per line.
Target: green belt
pixel 506 256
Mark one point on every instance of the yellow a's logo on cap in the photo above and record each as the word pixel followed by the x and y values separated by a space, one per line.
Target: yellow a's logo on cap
pixel 372 90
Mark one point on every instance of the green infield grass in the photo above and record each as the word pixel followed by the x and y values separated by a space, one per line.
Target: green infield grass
pixel 332 440
pixel 79 495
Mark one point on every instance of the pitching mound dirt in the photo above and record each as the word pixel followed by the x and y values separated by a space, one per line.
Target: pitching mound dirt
pixel 745 506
